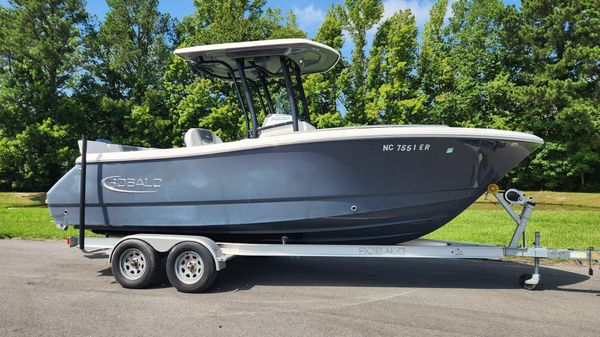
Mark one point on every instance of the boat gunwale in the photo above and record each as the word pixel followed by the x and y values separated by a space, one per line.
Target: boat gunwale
pixel 307 137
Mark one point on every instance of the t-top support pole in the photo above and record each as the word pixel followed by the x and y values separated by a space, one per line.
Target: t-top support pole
pixel 241 103
pixel 301 93
pixel 290 89
pixel 260 97
pixel 263 81
pixel 240 64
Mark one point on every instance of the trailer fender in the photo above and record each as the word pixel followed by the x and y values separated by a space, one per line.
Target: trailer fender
pixel 164 243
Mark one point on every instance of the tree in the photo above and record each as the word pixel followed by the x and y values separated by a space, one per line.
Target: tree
pixel 433 70
pixel 323 90
pixel 36 157
pixel 232 21
pixel 131 50
pixel 357 17
pixel 40 54
pixel 39 47
pixel 392 96
pixel 559 93
pixel 480 82
pixel 461 65
pixel 534 68
pixel 212 103
pixel 133 43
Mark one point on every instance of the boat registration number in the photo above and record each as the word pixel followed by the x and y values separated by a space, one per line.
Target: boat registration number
pixel 406 147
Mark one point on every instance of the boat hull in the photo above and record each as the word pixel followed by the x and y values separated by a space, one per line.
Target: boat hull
pixel 383 190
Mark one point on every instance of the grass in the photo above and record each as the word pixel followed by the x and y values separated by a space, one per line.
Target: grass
pixel 559 229
pixel 25 216
pixel 585 200
pixel 31 223
pixel 556 200
pixel 566 220
pixel 19 199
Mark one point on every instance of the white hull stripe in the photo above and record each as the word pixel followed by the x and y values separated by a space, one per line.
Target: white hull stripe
pixel 316 136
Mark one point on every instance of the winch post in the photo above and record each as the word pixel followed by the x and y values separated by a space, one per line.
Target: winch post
pixel 521 220
pixel 522 224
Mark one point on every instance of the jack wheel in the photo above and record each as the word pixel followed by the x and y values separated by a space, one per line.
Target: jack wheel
pixel 523 278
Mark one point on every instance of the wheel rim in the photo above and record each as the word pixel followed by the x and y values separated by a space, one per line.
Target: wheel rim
pixel 132 263
pixel 189 267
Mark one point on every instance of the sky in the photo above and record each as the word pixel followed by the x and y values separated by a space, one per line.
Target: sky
pixel 309 13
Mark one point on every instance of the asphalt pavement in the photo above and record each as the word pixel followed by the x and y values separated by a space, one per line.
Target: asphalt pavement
pixel 48 289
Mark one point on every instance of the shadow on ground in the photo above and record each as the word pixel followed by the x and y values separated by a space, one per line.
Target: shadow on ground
pixel 243 273
pixel 39 198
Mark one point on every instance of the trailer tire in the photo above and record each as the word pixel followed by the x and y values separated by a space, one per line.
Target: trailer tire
pixel 191 267
pixel 134 264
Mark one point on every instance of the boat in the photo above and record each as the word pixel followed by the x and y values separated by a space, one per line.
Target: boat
pixel 287 181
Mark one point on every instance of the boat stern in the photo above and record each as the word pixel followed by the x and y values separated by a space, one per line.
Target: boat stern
pixel 62 196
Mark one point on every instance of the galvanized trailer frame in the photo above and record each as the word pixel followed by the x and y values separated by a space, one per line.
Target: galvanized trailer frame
pixel 420 248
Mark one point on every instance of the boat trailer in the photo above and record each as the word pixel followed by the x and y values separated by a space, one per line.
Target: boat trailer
pixel 192 262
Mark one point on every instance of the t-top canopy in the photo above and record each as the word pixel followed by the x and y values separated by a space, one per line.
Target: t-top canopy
pixel 220 59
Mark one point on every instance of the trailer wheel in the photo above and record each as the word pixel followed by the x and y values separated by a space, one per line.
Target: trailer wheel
pixel 523 278
pixel 134 264
pixel 191 267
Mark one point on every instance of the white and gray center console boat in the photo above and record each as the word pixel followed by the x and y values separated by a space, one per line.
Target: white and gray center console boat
pixel 371 184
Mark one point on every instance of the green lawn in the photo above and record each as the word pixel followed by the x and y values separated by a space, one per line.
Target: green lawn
pixel 566 199
pixel 568 220
pixel 31 223
pixel 25 216
pixel 12 199
pixel 559 229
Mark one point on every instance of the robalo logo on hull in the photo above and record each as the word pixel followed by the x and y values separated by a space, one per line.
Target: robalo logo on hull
pixel 132 184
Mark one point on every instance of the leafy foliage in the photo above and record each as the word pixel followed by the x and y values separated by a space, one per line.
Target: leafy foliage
pixel 209 103
pixel 357 17
pixel 36 155
pixel 40 49
pixel 392 96
pixel 128 55
pixel 323 90
pixel 477 63
pixel 559 91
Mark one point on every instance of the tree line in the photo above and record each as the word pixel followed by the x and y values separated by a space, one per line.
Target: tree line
pixel 476 63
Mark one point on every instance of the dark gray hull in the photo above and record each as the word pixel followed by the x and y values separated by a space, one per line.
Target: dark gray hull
pixel 321 192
